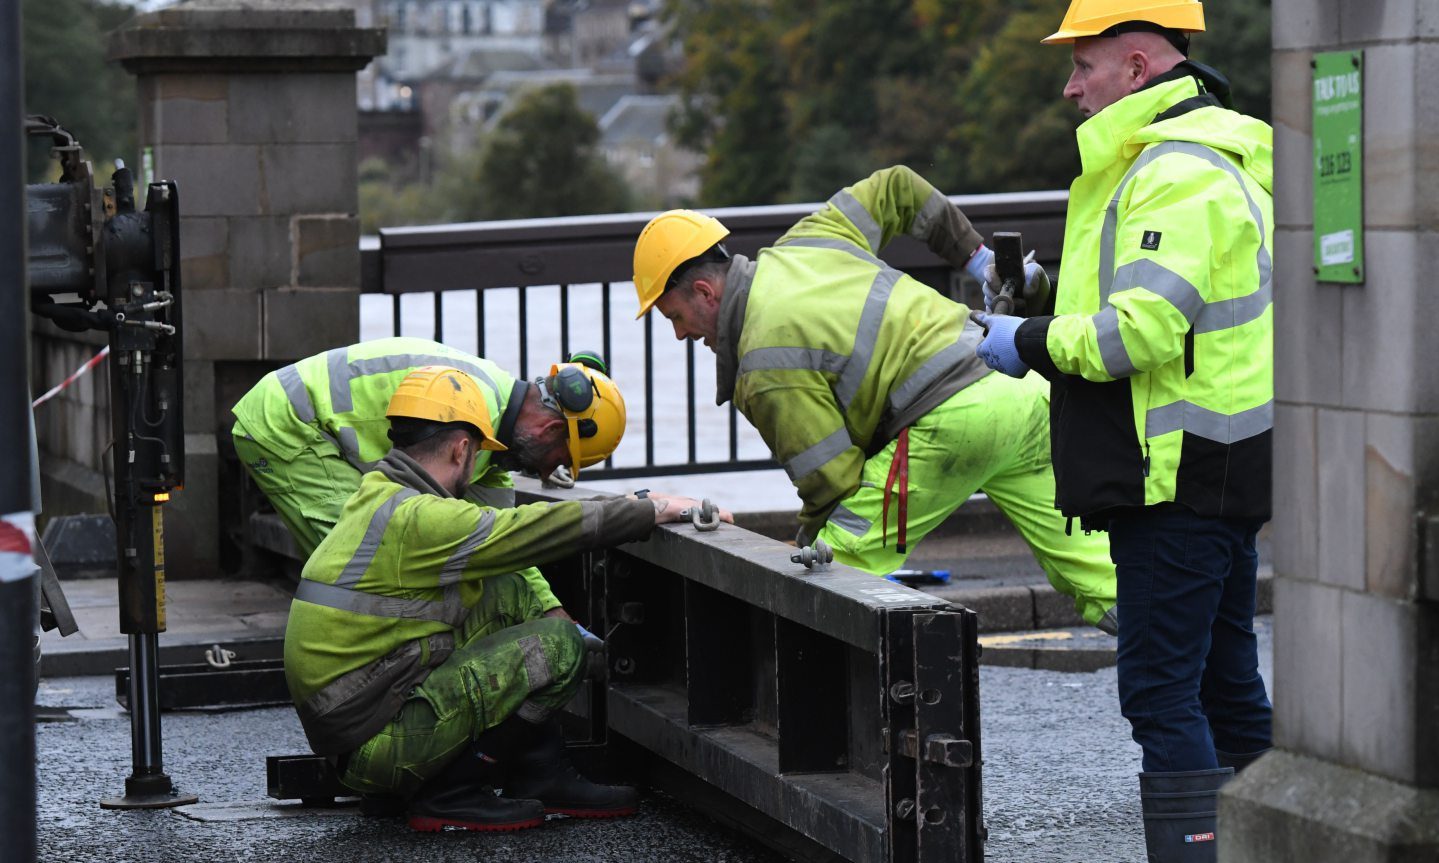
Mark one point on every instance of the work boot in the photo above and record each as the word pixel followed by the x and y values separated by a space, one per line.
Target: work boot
pixel 538 768
pixel 1238 762
pixel 382 805
pixel 463 796
pixel 1181 812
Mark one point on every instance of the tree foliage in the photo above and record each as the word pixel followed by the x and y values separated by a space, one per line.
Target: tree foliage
pixel 66 77
pixel 540 160
pixel 791 99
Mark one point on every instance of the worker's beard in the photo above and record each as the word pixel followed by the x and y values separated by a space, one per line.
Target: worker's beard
pixel 521 454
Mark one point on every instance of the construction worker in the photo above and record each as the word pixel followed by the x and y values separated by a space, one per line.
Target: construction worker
pixel 862 380
pixel 417 656
pixel 307 432
pixel 1161 361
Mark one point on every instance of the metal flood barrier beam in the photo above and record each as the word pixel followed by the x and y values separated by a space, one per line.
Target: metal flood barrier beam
pixel 838 704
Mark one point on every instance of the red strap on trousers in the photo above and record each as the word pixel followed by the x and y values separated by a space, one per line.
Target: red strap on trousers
pixel 898 469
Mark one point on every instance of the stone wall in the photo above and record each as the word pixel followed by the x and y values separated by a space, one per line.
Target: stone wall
pixel 250 108
pixel 1356 469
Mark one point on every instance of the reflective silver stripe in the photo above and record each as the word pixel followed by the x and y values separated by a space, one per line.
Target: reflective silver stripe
pixel 537 665
pixel 1111 218
pixel 835 245
pixel 915 385
pixel 848 521
pixel 818 455
pixel 1158 279
pixel 295 391
pixel 454 567
pixel 450 610
pixel 812 359
pixel 349 444
pixel 339 371
pixel 591 519
pixel 924 220
pixel 370 543
pixel 866 337
pixel 1111 345
pixel 532 712
pixel 853 210
pixel 1108 232
pixel 1224 314
pixel 500 498
pixel 1208 424
pixel 397 362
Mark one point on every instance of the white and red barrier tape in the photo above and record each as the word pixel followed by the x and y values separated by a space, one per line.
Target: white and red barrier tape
pixel 79 373
pixel 17 532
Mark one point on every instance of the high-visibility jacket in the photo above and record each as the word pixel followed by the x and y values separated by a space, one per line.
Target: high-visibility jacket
pixel 1161 351
pixel 343 394
pixel 380 598
pixel 829 351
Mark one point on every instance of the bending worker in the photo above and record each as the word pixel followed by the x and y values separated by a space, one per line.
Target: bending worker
pixel 862 380
pixel 1161 361
pixel 307 432
pixel 416 654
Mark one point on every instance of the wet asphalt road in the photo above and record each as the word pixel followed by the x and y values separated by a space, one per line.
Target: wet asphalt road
pixel 1059 785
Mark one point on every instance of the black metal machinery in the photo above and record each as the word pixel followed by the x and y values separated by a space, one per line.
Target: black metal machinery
pixel 95 262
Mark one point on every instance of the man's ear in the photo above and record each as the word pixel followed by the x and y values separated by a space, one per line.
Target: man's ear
pixel 458 451
pixel 1137 64
pixel 709 291
pixel 548 422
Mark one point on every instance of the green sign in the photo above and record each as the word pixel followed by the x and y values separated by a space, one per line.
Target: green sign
pixel 1339 166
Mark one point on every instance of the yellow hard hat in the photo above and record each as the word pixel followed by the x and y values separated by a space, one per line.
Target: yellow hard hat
pixel 1093 17
pixel 444 395
pixel 592 407
pixel 669 240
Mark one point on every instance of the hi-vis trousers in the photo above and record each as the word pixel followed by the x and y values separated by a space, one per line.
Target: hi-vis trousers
pixel 991 436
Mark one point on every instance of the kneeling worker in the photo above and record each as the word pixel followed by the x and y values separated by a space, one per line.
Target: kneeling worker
pixel 416 654
pixel 861 379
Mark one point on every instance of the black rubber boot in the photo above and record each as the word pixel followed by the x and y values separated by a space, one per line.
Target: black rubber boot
pixel 463 796
pixel 1238 762
pixel 1181 813
pixel 539 769
pixel 382 805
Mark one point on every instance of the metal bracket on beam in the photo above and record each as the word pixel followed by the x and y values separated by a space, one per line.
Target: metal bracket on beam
pixel 941 749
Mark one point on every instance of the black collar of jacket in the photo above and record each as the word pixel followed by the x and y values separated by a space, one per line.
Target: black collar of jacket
pixel 728 326
pixel 1214 88
pixel 505 434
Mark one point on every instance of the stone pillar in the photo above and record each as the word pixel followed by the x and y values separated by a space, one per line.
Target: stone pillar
pixel 1355 776
pixel 249 105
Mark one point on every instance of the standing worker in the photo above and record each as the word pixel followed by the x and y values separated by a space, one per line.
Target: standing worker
pixel 1161 361
pixel 307 432
pixel 863 381
pixel 418 657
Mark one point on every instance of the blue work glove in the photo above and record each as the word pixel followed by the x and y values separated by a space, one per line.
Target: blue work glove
pixel 998 350
pixel 593 643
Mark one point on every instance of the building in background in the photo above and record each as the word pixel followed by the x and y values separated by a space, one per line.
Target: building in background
pixel 635 139
pixel 454 67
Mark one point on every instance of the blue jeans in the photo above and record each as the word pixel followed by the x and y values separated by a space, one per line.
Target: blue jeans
pixel 1189 678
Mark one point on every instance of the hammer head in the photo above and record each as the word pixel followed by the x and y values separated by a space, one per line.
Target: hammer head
pixel 1009 266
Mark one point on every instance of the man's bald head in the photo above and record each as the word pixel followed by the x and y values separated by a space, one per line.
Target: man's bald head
pixel 1108 68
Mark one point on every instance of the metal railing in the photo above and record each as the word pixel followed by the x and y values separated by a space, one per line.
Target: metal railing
pixel 843 707
pixel 504 279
